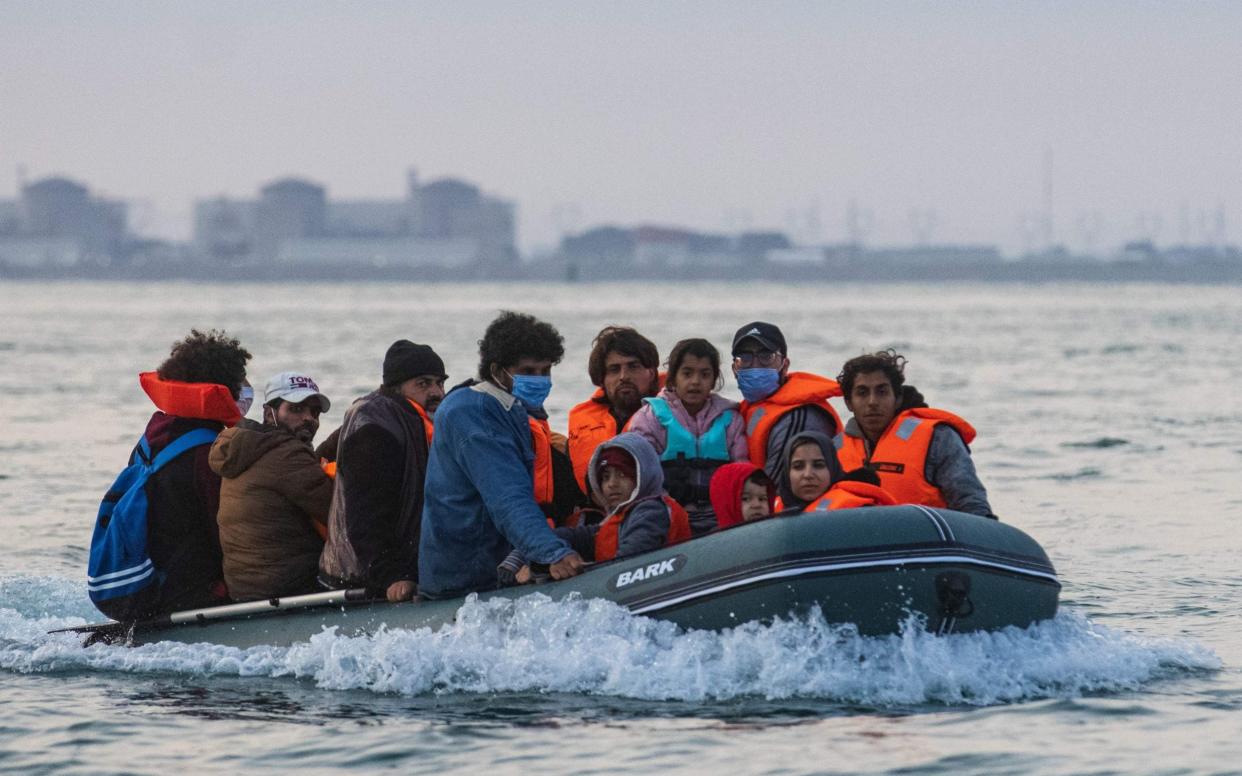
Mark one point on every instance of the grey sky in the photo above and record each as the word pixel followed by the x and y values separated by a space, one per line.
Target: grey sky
pixel 713 115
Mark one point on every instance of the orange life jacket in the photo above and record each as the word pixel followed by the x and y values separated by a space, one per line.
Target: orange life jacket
pixel 847 495
pixel 428 427
pixel 541 443
pixel 590 424
pixel 204 401
pixel 329 467
pixel 609 530
pixel 798 390
pixel 900 455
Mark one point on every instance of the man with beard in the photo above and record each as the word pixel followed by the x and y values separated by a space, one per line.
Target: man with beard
pixel 381 462
pixel 274 497
pixel 424 391
pixel 623 365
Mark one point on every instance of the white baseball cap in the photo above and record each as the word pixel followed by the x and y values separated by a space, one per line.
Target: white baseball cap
pixel 295 388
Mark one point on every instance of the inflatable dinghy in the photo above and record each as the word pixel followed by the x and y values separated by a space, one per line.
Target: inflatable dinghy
pixel 872 567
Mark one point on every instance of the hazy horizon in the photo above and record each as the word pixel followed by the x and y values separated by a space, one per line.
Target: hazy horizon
pixel 715 116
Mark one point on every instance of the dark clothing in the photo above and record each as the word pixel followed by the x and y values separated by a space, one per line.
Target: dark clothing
pixel 327 448
pixel 373 526
pixel 272 495
pixel 182 538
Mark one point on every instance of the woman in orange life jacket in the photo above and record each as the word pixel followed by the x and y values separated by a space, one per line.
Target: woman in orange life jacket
pixel 816 482
pixel 693 429
pixel 626 478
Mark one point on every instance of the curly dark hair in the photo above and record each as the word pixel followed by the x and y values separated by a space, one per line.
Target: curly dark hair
pixel 211 357
pixel 693 347
pixel 625 341
pixel 890 362
pixel 514 336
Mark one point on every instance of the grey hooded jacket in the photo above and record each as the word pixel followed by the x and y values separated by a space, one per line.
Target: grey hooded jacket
pixel 646 526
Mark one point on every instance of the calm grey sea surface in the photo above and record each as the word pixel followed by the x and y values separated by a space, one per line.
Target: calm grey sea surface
pixel 1110 429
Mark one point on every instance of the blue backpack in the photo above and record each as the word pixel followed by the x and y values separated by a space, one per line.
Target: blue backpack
pixel 120 565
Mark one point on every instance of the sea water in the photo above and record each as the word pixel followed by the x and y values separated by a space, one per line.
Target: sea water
pixel 1110 428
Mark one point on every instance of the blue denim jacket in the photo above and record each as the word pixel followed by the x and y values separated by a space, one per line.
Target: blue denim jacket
pixel 479 497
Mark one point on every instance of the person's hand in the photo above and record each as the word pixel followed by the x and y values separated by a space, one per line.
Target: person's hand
pixel 523 575
pixel 569 566
pixel 401 590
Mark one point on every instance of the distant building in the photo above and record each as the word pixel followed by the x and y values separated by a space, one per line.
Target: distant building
pixel 447 223
pixel 932 255
pixel 57 223
pixel 615 248
pixel 225 228
pixel 289 209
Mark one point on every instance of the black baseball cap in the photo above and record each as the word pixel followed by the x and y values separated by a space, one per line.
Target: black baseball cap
pixel 766 334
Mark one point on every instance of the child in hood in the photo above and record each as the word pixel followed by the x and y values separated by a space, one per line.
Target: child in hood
pixel 626 478
pixel 741 492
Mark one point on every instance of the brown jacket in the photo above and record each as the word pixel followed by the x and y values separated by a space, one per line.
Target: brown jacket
pixel 272 488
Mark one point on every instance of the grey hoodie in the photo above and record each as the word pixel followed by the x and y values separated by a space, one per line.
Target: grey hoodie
pixel 646 526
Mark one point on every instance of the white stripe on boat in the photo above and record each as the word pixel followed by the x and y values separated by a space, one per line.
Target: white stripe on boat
pixel 844 566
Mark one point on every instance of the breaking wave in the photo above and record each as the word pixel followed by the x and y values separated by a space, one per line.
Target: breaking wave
pixel 534 644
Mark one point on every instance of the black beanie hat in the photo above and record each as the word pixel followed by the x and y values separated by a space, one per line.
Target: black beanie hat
pixel 405 359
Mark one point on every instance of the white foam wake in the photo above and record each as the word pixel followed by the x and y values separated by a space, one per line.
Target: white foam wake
pixel 577 646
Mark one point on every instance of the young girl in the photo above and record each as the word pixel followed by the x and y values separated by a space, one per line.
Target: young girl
pixel 816 483
pixel 693 428
pixel 741 492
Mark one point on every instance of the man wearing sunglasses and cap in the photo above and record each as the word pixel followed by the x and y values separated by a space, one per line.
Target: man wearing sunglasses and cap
pixel 274 497
pixel 778 404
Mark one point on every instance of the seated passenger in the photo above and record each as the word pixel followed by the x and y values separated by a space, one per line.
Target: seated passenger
pixel 741 492
pixel 777 403
pixel 196 391
pixel 480 500
pixel 815 482
pixel 920 454
pixel 373 525
pixel 274 498
pixel 626 478
pixel 423 391
pixel 694 429
pixel 623 366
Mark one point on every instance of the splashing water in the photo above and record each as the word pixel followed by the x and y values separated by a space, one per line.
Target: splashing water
pixel 593 646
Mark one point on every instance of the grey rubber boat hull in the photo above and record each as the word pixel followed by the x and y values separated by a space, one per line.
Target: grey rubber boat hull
pixel 871 567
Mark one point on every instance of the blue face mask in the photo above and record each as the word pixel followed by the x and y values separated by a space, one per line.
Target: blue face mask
pixel 758 383
pixel 531 389
pixel 245 398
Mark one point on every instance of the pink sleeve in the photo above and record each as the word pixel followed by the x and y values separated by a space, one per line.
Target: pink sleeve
pixel 645 424
pixel 739 450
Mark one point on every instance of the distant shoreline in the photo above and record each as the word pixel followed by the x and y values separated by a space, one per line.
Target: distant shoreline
pixel 1015 272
